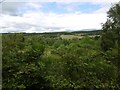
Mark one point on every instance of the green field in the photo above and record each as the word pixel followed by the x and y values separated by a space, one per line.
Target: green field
pixel 79 36
pixel 70 36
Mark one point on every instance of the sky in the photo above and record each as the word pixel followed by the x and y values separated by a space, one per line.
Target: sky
pixel 53 15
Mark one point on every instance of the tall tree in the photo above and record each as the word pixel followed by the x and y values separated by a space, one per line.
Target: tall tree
pixel 111 37
pixel 111 29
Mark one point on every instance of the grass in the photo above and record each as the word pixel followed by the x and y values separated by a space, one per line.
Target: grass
pixel 70 36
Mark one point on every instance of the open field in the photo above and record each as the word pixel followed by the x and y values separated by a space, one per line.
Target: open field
pixel 70 36
pixel 77 36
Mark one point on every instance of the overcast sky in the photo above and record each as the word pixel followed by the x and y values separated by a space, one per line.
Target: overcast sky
pixel 52 15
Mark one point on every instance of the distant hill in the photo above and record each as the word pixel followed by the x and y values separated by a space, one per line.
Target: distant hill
pixel 93 32
pixel 54 34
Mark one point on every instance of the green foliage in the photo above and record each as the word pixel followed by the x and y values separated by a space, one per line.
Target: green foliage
pixel 111 29
pixel 110 41
pixel 67 65
pixel 54 61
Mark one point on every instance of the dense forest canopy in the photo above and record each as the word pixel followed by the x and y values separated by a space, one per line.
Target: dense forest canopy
pixel 44 62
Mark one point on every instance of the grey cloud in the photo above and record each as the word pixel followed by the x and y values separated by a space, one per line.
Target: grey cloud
pixel 24 27
pixel 11 8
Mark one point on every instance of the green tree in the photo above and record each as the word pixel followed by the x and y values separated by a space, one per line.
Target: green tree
pixel 111 29
pixel 110 42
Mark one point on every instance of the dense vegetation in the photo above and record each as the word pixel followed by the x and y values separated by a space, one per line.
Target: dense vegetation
pixel 49 62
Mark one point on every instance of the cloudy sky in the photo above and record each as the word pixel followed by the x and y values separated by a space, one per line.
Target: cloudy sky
pixel 52 15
